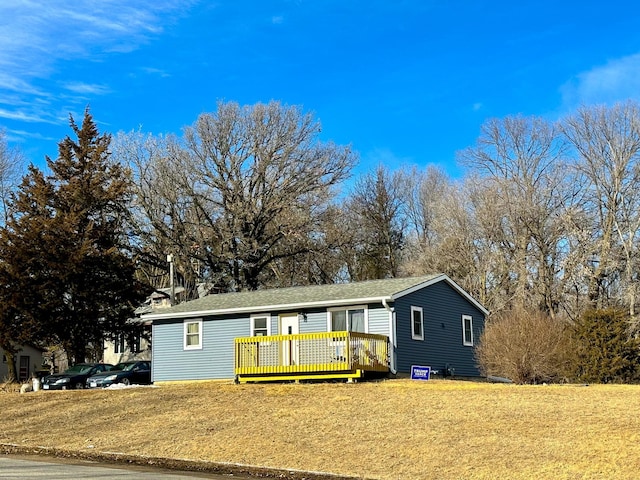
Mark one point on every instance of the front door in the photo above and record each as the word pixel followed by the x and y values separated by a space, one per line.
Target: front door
pixel 290 348
pixel 23 369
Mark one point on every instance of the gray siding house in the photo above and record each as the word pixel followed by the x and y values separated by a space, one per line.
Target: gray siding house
pixel 29 361
pixel 426 320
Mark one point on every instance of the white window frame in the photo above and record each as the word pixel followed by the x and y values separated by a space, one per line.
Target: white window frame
pixel 119 343
pixel 465 342
pixel 184 339
pixel 252 327
pixel 414 335
pixel 346 309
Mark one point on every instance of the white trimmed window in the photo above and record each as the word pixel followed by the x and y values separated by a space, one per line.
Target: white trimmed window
pixel 467 330
pixel 118 343
pixel 193 334
pixel 349 319
pixel 260 325
pixel 123 341
pixel 136 342
pixel 417 323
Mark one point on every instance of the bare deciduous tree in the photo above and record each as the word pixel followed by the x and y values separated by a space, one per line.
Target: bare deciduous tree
pixel 607 140
pixel 245 200
pixel 11 166
pixel 259 178
pixel 444 235
pixel 425 191
pixel 244 189
pixel 377 221
pixel 521 160
pixel 166 218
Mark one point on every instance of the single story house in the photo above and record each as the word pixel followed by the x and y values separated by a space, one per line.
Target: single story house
pixel 29 361
pixel 386 325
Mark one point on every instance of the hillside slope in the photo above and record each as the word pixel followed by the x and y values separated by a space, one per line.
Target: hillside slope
pixel 394 429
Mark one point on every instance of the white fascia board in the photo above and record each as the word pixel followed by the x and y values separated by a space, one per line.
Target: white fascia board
pixel 453 284
pixel 266 308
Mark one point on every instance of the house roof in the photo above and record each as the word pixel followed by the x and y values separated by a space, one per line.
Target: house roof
pixel 164 292
pixel 371 291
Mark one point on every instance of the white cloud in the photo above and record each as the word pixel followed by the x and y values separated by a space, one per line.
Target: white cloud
pixel 15 84
pixel 155 71
pixel 21 135
pixel 615 81
pixel 37 37
pixel 84 88
pixel 384 156
pixel 24 116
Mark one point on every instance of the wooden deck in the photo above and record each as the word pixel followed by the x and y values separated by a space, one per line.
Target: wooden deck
pixel 323 355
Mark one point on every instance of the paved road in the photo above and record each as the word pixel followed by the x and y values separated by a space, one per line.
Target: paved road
pixel 16 467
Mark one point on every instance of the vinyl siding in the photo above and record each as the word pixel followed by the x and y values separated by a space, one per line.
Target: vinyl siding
pixel 442 308
pixel 378 320
pixel 214 361
pixel 316 321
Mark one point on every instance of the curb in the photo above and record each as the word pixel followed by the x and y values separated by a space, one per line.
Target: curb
pixel 220 468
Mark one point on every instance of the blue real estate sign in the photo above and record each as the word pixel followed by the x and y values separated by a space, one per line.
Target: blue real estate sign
pixel 419 372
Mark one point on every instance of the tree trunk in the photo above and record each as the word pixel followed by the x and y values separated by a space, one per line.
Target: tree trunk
pixel 11 364
pixel 75 353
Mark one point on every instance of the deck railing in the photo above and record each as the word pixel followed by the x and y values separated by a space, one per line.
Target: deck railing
pixel 311 353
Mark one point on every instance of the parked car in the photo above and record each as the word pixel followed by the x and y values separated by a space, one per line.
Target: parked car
pixel 127 373
pixel 74 377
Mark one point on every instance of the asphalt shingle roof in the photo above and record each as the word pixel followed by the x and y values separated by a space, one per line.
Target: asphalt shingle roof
pixel 297 296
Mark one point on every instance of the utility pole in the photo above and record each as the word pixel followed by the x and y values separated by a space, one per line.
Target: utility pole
pixel 172 298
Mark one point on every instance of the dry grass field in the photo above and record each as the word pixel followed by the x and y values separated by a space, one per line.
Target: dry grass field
pixel 394 429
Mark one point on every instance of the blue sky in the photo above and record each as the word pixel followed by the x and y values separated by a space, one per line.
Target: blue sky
pixel 403 82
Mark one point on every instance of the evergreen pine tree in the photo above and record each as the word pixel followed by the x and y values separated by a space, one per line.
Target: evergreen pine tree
pixel 65 246
pixel 21 290
pixel 607 352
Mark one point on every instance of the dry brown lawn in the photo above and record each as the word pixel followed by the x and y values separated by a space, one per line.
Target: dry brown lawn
pixel 394 429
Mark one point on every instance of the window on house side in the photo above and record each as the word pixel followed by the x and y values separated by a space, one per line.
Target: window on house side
pixel 417 323
pixel 193 334
pixel 135 345
pixel 260 326
pixel 467 330
pixel 356 320
pixel 118 344
pixel 339 321
pixel 350 319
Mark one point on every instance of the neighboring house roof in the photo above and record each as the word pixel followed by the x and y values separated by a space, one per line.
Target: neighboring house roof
pixel 148 307
pixel 165 292
pixel 306 297
pixel 30 345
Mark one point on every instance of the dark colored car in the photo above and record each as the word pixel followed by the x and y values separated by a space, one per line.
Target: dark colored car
pixel 127 373
pixel 74 377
